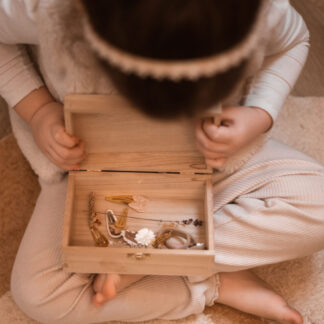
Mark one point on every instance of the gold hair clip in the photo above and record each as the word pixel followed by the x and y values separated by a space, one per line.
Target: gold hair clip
pixel 122 219
pixel 112 219
pixel 98 237
pixel 136 202
pixel 121 199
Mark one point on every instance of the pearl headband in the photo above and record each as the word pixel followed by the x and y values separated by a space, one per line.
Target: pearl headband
pixel 191 69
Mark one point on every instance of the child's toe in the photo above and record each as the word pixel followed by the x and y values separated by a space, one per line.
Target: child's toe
pixel 291 316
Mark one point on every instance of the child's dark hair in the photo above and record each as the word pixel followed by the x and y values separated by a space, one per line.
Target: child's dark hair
pixel 171 30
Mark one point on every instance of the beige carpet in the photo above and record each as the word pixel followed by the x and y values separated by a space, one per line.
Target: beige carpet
pixel 5 128
pixel 300 281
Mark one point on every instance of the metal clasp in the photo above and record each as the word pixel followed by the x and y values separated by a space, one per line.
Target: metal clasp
pixel 138 255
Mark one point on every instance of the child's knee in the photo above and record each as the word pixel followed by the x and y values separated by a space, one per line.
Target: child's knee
pixel 25 293
pixel 29 294
pixel 46 296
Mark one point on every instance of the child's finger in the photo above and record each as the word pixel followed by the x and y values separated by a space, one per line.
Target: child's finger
pixel 220 134
pixel 209 154
pixel 70 155
pixel 56 159
pixel 207 143
pixel 62 138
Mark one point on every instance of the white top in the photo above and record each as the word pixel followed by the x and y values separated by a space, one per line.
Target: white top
pixel 286 54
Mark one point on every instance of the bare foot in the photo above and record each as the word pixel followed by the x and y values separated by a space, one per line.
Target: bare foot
pixel 106 286
pixel 245 291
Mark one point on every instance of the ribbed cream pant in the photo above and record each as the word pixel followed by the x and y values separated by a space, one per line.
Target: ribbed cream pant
pixel 270 211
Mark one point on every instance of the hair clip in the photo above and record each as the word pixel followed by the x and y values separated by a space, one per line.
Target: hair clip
pixel 98 237
pixel 120 199
pixel 122 219
pixel 136 202
pixel 114 232
pixel 112 219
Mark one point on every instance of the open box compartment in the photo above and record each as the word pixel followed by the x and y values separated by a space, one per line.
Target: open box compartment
pixel 129 153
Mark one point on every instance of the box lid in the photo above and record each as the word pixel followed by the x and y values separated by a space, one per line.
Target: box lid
pixel 118 137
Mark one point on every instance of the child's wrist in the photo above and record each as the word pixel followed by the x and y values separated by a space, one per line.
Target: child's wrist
pixel 45 109
pixel 29 106
pixel 265 118
pixel 48 114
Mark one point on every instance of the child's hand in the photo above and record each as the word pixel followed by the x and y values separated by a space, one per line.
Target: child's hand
pixel 239 126
pixel 48 130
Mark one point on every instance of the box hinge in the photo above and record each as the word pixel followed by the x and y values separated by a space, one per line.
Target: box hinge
pixel 189 173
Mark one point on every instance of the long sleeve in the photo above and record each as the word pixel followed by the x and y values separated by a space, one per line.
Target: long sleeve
pixel 17 74
pixel 286 55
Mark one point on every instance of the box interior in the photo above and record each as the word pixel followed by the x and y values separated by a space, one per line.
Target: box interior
pixel 172 197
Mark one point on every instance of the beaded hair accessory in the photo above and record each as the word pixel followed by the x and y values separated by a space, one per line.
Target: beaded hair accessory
pixel 176 70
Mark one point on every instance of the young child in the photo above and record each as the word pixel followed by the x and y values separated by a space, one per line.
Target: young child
pixel 170 58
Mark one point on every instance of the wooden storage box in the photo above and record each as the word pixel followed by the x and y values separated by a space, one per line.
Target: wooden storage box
pixel 129 153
